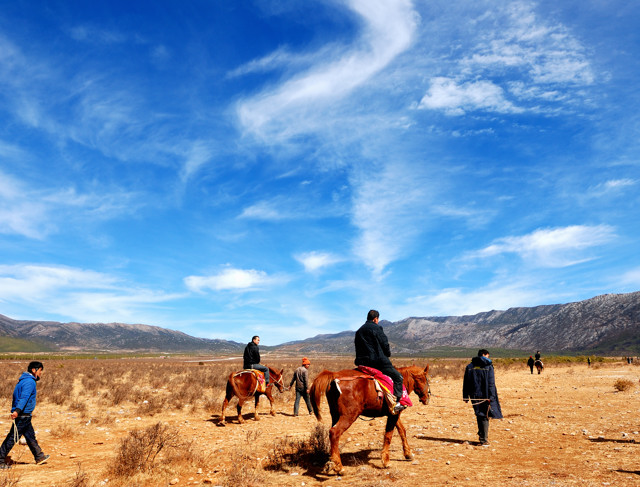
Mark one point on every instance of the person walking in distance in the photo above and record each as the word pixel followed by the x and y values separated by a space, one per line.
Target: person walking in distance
pixel 24 402
pixel 479 386
pixel 301 379
pixel 531 363
pixel 251 358
pixel 372 350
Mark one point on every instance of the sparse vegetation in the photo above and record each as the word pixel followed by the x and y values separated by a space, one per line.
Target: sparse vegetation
pixel 622 385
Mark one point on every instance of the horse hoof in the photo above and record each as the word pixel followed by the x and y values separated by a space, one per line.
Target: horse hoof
pixel 331 468
pixel 410 456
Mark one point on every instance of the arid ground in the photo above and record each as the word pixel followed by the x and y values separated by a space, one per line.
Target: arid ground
pixel 153 422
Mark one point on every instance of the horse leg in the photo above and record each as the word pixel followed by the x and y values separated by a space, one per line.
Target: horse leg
pixel 392 422
pixel 272 412
pixel 335 464
pixel 239 409
pixel 229 394
pixel 255 410
pixel 408 454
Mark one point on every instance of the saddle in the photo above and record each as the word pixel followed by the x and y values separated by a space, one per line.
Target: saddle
pixel 261 385
pixel 383 385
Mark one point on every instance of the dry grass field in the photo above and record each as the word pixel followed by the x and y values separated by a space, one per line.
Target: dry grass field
pixel 153 422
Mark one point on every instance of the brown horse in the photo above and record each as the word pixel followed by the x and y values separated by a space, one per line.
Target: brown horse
pixel 356 395
pixel 244 385
pixel 539 366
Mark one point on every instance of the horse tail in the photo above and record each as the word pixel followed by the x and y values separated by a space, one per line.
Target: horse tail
pixel 319 387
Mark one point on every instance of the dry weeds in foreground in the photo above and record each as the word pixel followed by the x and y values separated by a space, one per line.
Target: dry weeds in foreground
pixel 151 422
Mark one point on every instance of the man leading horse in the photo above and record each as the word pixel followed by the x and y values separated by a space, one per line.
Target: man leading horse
pixel 372 350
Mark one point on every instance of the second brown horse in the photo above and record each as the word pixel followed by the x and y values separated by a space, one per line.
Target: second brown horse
pixel 357 395
pixel 245 385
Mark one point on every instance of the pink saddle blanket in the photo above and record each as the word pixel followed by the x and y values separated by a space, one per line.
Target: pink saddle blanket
pixel 386 381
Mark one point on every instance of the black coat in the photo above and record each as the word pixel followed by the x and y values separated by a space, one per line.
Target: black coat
pixel 251 355
pixel 372 346
pixel 480 383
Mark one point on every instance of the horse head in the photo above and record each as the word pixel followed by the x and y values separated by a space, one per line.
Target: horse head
pixel 421 384
pixel 277 378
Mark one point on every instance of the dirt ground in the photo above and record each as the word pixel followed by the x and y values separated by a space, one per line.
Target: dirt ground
pixel 567 426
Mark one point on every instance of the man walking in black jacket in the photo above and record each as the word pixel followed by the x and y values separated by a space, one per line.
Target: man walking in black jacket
pixel 479 385
pixel 372 350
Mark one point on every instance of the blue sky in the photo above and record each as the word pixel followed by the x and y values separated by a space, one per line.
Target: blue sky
pixel 279 168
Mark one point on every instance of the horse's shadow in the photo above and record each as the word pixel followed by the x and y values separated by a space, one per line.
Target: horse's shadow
pixel 316 470
pixel 636 472
pixel 611 440
pixel 448 440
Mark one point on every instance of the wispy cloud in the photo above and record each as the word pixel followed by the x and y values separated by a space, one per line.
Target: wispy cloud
pixel 515 61
pixel 231 279
pixel 456 99
pixel 553 247
pixel 36 213
pixel 612 187
pixel 80 294
pixel 314 261
pixel 388 28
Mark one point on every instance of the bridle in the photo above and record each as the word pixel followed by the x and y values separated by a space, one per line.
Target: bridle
pixel 281 382
pixel 421 393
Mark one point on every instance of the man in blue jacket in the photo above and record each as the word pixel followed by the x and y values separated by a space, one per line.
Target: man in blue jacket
pixel 479 385
pixel 24 402
pixel 372 350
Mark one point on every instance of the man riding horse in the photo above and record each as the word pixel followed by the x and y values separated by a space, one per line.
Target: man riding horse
pixel 372 350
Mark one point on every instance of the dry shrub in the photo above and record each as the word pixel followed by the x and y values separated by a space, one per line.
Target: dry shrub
pixel 120 393
pixel 62 431
pixel 80 478
pixel 246 470
pixel 9 479
pixel 152 406
pixel 622 385
pixel 291 452
pixel 138 451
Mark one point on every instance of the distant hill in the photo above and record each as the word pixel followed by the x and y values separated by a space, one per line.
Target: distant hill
pixel 607 324
pixel 36 336
pixel 604 324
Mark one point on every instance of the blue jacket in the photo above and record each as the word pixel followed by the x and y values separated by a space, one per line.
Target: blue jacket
pixel 24 395
pixel 480 383
pixel 372 346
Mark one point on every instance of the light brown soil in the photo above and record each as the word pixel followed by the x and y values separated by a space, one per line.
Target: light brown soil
pixel 567 426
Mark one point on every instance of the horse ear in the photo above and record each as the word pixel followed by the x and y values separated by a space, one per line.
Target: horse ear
pixel 281 371
pixel 426 369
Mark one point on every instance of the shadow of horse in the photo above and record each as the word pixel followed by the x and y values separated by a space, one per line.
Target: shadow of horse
pixel 447 440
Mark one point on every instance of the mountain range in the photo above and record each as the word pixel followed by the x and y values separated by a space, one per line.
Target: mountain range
pixel 608 324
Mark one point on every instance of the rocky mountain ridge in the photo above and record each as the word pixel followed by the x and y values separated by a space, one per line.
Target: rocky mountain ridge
pixel 607 323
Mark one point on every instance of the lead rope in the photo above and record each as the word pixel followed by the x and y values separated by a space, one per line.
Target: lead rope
pixel 16 438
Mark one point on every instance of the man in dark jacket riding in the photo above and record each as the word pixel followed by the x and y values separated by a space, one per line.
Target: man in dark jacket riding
pixel 479 385
pixel 372 350
pixel 251 358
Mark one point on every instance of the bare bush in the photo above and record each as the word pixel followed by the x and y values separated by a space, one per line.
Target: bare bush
pixel 138 451
pixel 291 452
pixel 80 478
pixel 622 385
pixel 62 431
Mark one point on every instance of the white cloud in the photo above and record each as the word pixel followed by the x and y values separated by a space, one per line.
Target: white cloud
pixel 631 277
pixel 288 109
pixel 37 213
pixel 457 302
pixel 456 99
pixel 230 279
pixel 389 211
pixel 314 261
pixel 82 295
pixel 612 187
pixel 263 210
pixel 555 247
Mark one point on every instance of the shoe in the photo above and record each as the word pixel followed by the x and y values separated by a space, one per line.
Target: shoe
pixel 399 408
pixel 483 443
pixel 42 459
pixel 4 466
